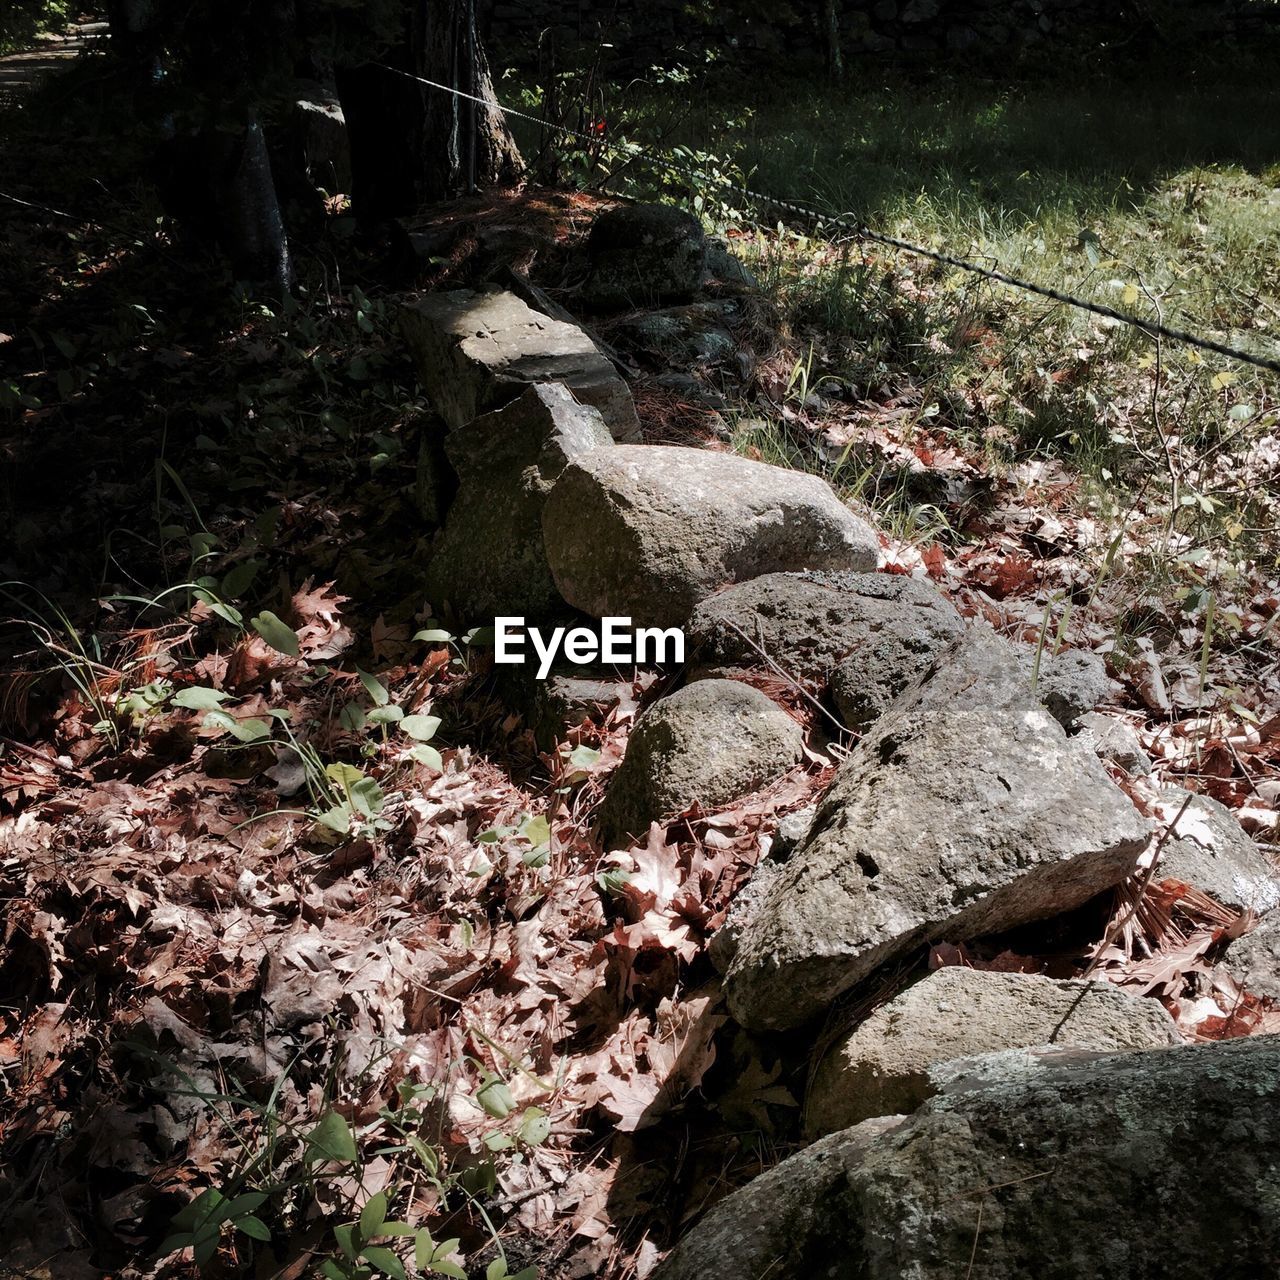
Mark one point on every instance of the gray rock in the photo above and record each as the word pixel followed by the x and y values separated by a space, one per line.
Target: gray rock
pixel 725 268
pixel 565 700
pixel 649 531
pixel 477 350
pixel 1116 741
pixel 792 832
pixel 643 254
pixel 696 334
pixel 883 1067
pixel 869 634
pixel 708 743
pixel 723 945
pixel 1254 960
pixel 966 811
pixel 1070 683
pixel 1210 851
pixel 1162 1162
pixel 489 558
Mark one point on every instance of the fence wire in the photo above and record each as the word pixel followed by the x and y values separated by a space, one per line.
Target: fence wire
pixel 1152 328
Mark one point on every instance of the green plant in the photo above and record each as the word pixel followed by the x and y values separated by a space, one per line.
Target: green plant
pixel 285 1162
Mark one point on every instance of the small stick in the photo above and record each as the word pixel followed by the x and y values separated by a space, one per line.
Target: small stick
pixel 1109 936
pixel 787 676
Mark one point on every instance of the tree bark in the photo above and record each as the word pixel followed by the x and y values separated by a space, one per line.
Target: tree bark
pixel 831 30
pixel 456 130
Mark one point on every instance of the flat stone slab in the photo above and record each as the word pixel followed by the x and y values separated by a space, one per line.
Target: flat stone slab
pixel 966 811
pixel 882 1068
pixel 1160 1162
pixel 477 350
pixel 649 531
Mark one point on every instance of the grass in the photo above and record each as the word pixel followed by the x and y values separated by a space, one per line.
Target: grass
pixel 1152 190
pixel 1151 186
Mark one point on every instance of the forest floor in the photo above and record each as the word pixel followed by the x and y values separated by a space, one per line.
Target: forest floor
pixel 301 923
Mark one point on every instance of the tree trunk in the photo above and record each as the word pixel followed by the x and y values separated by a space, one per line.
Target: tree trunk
pixel 252 227
pixel 831 30
pixel 464 143
pixel 410 143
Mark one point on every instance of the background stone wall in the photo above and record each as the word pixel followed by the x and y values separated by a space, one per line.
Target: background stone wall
pixel 644 30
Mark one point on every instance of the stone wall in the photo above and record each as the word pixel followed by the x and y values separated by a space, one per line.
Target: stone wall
pixel 640 31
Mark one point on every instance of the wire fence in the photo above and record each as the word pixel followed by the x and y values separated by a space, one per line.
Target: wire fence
pixel 859 228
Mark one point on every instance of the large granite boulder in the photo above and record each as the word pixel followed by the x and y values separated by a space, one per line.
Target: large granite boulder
pixel 877 631
pixel 882 1067
pixel 648 531
pixel 1160 1163
pixel 708 743
pixel 966 811
pixel 489 558
pixel 643 254
pixel 477 350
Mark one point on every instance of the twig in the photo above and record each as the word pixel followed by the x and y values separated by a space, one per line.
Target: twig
pixel 1143 885
pixel 787 676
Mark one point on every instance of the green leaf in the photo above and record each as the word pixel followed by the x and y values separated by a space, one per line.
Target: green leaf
pixel 536 830
pixel 443 1268
pixel 423 1248
pixel 352 717
pixel 224 611
pixel 480 637
pixel 237 581
pixel 337 819
pixel 535 1127
pixel 344 776
pixel 198 1213
pixel 200 699
pixel 332 1139
pixel 433 635
pixel 242 730
pixel 429 756
pixel 422 728
pixel 385 1261
pixel 390 714
pixel 246 1203
pixel 430 1159
pixel 495 1098
pixel 331 1271
pixel 367 797
pixel 278 634
pixel 253 1227
pixel 374 688
pixel 583 757
pixel 373 1215
pixel 345 1235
